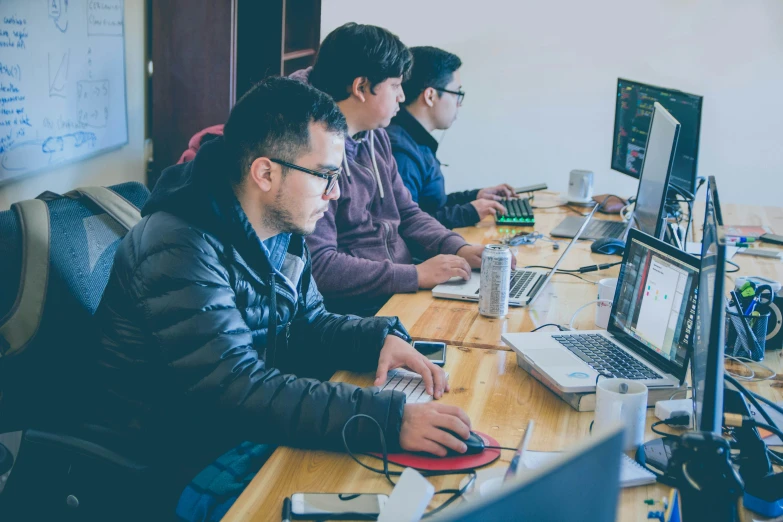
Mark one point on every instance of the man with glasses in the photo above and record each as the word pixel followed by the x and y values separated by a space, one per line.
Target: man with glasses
pixel 211 319
pixel 433 96
pixel 368 245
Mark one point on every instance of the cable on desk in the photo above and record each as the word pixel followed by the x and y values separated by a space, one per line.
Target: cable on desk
pixel 744 361
pixel 680 420
pixel 547 324
pixel 582 270
pixel 573 317
pixel 732 263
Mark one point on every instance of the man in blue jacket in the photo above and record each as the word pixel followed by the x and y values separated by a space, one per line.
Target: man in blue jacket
pixel 433 95
pixel 211 319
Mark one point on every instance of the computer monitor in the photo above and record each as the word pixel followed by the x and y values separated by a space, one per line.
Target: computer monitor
pixel 655 171
pixel 632 120
pixel 708 345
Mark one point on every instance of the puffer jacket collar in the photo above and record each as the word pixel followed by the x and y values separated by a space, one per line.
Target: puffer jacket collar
pixel 197 193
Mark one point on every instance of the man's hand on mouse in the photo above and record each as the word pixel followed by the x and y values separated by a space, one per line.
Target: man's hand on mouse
pixel 423 428
pixel 396 353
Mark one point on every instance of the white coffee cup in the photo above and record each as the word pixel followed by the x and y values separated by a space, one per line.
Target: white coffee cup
pixel 606 288
pixel 628 409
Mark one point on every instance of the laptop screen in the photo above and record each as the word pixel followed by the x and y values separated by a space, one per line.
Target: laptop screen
pixel 655 302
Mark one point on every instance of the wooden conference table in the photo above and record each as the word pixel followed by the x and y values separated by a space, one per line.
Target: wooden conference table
pixel 485 380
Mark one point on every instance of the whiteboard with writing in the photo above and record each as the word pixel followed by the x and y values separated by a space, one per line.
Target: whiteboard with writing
pixel 62 82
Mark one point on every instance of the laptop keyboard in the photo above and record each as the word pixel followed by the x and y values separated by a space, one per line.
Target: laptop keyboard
pixel 409 383
pixel 605 357
pixel 601 228
pixel 520 281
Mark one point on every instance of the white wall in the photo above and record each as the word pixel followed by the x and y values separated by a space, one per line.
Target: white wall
pixel 541 79
pixel 125 164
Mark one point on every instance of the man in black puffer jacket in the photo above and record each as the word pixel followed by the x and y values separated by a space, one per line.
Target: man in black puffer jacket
pixel 211 317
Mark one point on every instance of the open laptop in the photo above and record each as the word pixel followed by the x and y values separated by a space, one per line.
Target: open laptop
pixel 526 283
pixel 582 485
pixel 650 326
pixel 653 185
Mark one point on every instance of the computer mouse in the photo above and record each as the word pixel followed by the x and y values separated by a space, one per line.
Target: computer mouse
pixel 474 443
pixel 609 246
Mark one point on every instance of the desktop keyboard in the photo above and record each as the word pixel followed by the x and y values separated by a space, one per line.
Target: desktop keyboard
pixel 409 383
pixel 605 357
pixel 518 212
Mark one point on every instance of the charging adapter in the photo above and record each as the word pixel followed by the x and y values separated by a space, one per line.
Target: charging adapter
pixel 666 410
pixel 409 498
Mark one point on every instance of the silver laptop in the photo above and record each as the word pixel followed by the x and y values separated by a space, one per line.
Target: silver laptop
pixel 526 283
pixel 649 331
pixel 654 178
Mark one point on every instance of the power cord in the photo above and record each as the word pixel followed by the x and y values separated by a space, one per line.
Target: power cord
pixel 735 265
pixel 573 317
pixel 676 420
pixel 746 362
pixel 561 328
pixel 583 270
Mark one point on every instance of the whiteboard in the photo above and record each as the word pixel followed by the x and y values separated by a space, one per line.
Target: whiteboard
pixel 62 82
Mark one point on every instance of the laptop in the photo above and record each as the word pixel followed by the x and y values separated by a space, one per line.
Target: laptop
pixel 650 326
pixel 526 284
pixel 653 185
pixel 582 485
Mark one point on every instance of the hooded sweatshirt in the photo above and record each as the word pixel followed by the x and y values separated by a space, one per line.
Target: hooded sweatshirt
pixel 364 247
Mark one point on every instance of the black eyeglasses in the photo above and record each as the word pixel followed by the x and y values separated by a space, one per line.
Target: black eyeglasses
pixel 331 177
pixel 459 94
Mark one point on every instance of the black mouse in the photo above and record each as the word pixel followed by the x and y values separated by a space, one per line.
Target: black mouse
pixel 474 443
pixel 609 246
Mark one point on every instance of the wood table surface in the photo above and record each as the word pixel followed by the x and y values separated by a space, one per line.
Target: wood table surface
pixel 459 323
pixel 486 382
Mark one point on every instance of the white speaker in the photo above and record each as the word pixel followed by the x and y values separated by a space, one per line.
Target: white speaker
pixel 580 187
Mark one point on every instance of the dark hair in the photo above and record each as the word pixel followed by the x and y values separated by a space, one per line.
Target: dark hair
pixel 273 120
pixel 432 67
pixel 352 51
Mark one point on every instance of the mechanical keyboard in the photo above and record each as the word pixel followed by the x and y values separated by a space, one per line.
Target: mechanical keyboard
pixel 518 212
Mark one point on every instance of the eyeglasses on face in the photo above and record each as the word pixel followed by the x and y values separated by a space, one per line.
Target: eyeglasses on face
pixel 331 176
pixel 459 94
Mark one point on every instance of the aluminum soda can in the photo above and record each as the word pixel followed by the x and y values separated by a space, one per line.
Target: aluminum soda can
pixel 495 281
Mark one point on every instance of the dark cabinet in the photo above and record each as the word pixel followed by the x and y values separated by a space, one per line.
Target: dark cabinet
pixel 206 54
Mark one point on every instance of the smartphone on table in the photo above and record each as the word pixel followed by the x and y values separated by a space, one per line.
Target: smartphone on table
pixel 433 350
pixel 339 506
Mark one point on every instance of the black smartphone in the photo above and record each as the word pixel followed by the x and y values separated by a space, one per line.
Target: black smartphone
pixel 337 506
pixel 434 351
pixel 772 238
pixel 531 188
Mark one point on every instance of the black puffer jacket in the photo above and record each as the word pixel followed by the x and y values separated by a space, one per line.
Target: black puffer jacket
pixel 186 353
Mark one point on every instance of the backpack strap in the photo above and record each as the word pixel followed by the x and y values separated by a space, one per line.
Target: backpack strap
pixel 22 322
pixel 122 210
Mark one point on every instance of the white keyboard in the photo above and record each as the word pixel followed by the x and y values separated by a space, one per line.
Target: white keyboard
pixel 409 383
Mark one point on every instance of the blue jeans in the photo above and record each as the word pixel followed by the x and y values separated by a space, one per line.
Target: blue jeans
pixel 214 490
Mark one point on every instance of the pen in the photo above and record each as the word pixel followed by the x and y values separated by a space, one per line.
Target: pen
pixel 519 455
pixel 286 509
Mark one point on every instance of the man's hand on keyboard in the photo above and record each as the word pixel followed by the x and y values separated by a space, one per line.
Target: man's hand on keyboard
pixel 396 353
pixel 423 425
pixel 498 192
pixel 472 254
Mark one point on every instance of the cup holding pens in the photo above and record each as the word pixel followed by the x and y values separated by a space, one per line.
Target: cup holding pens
pixel 738 343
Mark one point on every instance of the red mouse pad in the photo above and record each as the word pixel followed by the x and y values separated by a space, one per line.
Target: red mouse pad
pixel 457 463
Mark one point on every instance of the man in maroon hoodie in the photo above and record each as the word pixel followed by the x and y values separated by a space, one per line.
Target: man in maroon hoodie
pixel 363 249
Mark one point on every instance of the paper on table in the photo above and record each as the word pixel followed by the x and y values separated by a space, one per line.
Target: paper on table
pixel 695 249
pixel 631 473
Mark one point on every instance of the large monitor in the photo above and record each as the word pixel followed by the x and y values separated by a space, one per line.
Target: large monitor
pixel 632 120
pixel 655 171
pixel 708 345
